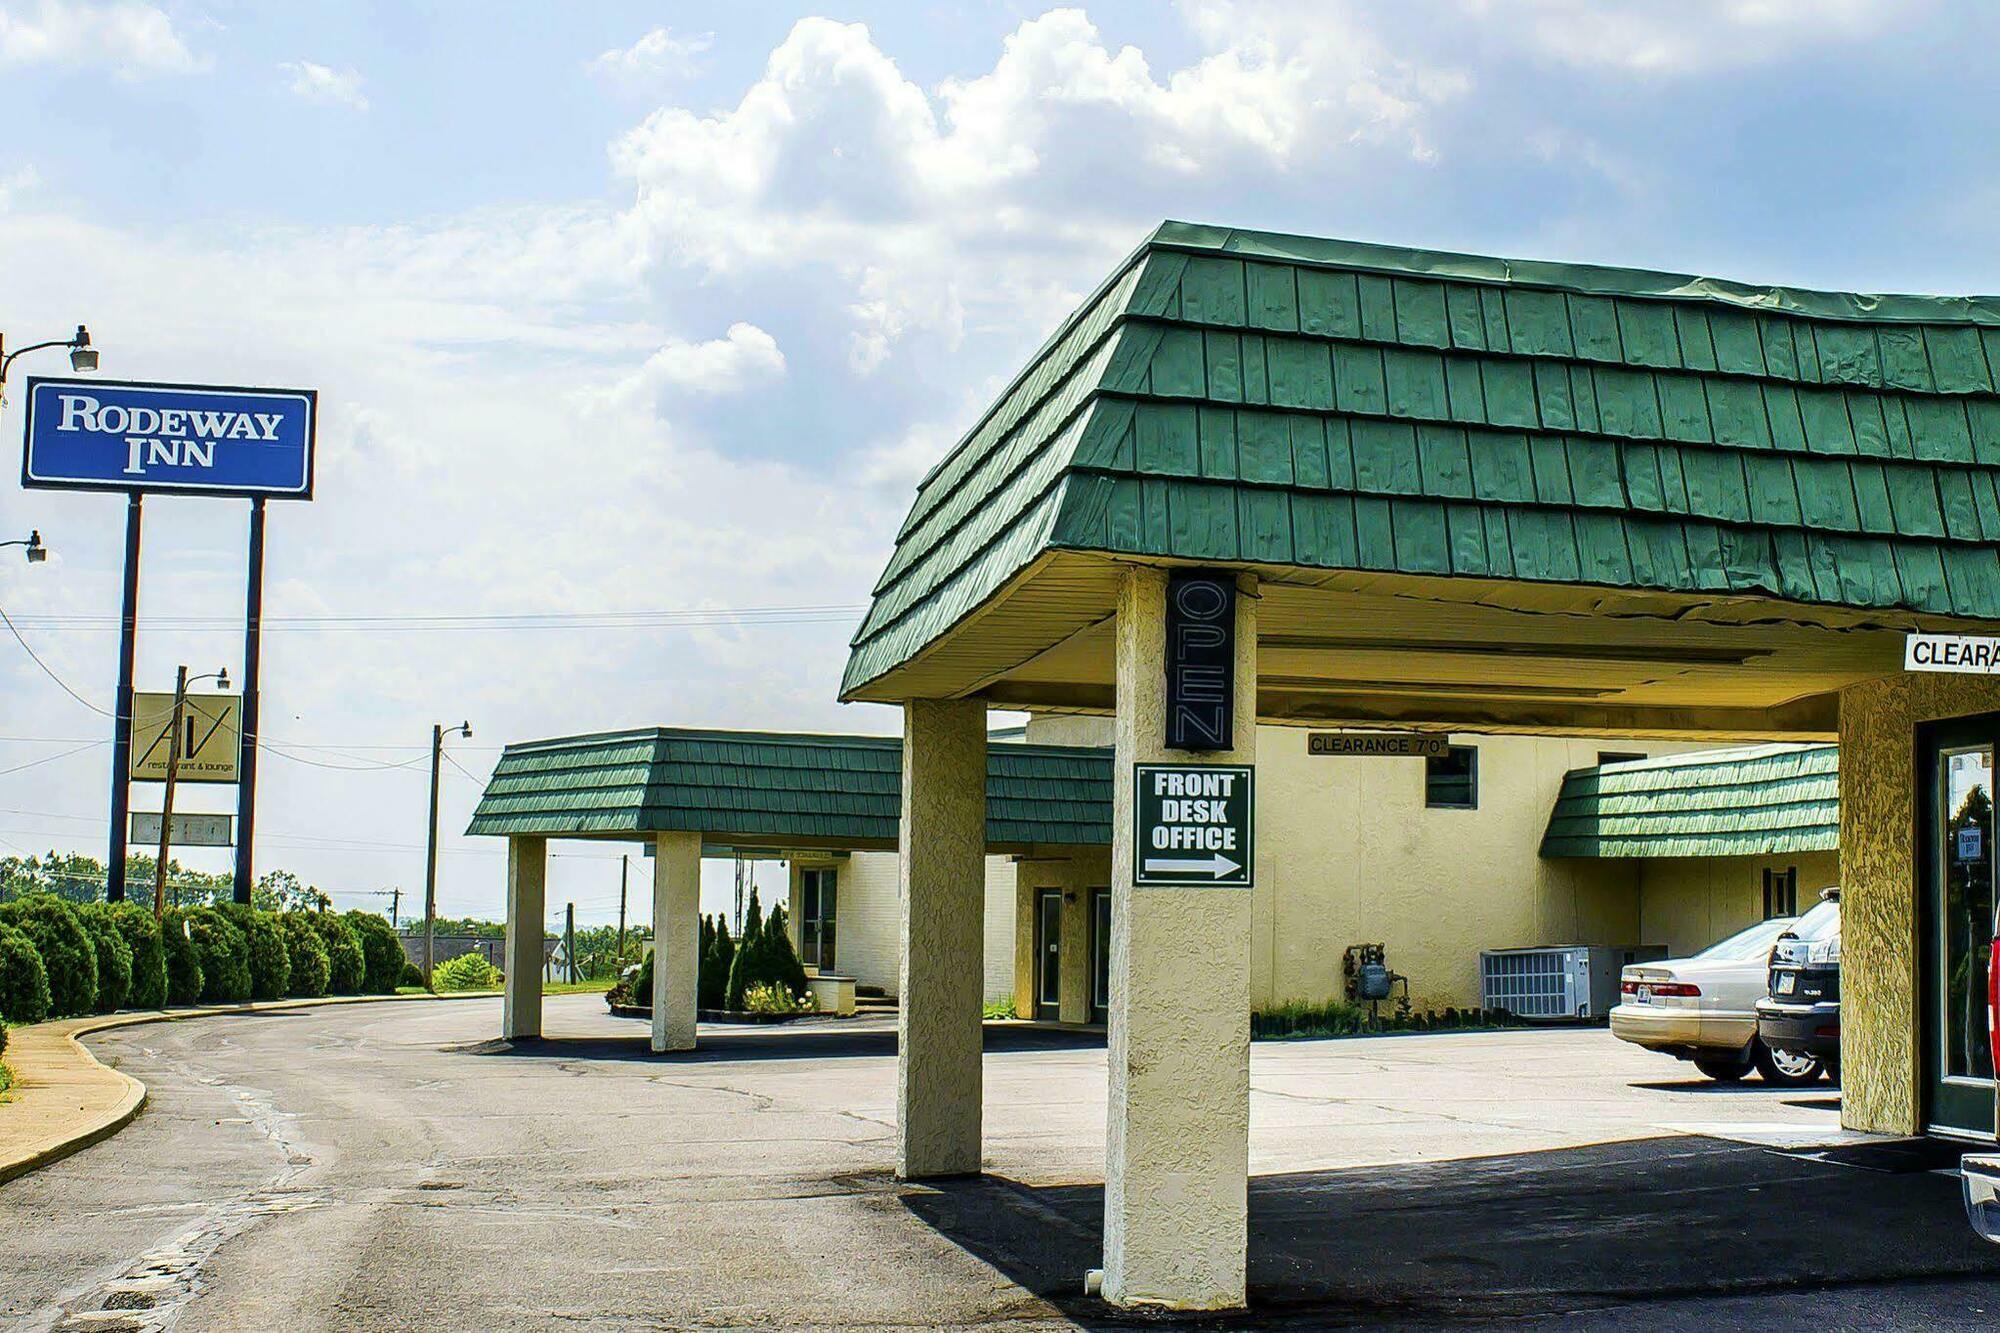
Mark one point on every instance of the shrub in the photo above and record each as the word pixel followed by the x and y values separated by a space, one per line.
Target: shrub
pixel 114 956
pixel 712 983
pixel 149 960
pixel 270 963
pixel 786 969
pixel 346 968
pixel 765 998
pixel 412 975
pixel 642 982
pixel 68 956
pixel 225 956
pixel 381 952
pixel 1304 1018
pixel 468 971
pixel 24 982
pixel 306 952
pixel 183 960
pixel 765 958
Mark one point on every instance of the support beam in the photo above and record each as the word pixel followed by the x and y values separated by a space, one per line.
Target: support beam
pixel 676 938
pixel 943 867
pixel 527 907
pixel 1177 1158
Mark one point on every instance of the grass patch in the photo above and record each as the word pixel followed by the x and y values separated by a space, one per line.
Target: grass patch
pixel 1000 1009
pixel 6 1081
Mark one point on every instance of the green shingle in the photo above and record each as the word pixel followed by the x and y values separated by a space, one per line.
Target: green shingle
pixel 1232 396
pixel 1762 801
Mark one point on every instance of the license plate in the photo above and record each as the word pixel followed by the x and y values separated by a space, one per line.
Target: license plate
pixel 1644 995
pixel 1787 982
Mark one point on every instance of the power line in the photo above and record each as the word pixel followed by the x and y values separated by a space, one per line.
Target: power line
pixel 48 670
pixel 52 758
pixel 688 618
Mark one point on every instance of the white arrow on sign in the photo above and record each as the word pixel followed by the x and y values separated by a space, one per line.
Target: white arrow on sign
pixel 1215 866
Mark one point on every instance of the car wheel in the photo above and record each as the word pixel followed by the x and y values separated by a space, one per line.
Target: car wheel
pixel 1723 1069
pixel 1786 1069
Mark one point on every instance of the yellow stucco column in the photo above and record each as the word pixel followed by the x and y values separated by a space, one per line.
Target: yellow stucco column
pixel 676 938
pixel 943 868
pixel 1177 1156
pixel 527 910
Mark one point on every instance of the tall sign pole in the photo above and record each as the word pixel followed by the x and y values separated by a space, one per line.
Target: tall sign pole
pixel 253 655
pixel 431 851
pixel 121 705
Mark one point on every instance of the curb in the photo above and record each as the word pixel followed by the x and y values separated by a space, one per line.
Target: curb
pixel 102 1123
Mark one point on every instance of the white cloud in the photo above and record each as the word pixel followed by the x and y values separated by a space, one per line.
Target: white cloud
pixel 1694 36
pixel 325 85
pixel 904 202
pixel 15 183
pixel 659 56
pixel 122 35
pixel 743 357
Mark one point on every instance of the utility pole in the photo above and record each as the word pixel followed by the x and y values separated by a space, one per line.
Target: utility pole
pixel 624 868
pixel 569 940
pixel 395 905
pixel 739 897
pixel 431 852
pixel 167 802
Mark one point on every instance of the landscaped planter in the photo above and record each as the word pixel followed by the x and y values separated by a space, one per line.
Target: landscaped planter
pixel 713 1015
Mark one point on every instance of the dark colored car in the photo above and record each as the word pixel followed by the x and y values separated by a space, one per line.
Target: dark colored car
pixel 1800 1019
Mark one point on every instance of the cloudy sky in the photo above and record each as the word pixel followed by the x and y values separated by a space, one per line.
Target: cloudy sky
pixel 650 315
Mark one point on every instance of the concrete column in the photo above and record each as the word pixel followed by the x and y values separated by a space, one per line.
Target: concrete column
pixel 676 938
pixel 943 868
pixel 1177 1156
pixel 527 911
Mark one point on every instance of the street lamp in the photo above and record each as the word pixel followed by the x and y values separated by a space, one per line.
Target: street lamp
pixel 181 683
pixel 82 356
pixel 463 729
pixel 36 552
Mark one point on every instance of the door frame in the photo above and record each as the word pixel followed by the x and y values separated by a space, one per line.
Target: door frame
pixel 1954 1106
pixel 1046 1009
pixel 1100 956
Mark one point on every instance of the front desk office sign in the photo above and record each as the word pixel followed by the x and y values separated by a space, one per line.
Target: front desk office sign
pixel 1192 825
pixel 1960 654
pixel 1201 660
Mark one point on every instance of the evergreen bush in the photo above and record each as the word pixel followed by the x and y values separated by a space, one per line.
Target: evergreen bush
pixel 412 975
pixel 183 960
pixel 24 982
pixel 785 968
pixel 149 960
pixel 346 967
pixel 270 961
pixel 70 959
pixel 224 951
pixel 712 981
pixel 381 952
pixel 468 971
pixel 114 956
pixel 306 952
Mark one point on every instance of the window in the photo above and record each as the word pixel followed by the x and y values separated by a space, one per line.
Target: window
pixel 1781 892
pixel 1451 780
pixel 818 901
pixel 1617 757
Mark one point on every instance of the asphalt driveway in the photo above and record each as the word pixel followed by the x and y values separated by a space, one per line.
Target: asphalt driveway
pixel 390 1166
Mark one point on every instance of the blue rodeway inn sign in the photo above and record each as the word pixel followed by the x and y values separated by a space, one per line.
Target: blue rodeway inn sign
pixel 191 438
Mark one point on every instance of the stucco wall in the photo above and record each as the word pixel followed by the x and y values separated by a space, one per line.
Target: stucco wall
pixel 1688 903
pixel 1881 1078
pixel 870 917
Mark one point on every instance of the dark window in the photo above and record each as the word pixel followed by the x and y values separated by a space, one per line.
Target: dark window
pixel 1617 756
pixel 1781 892
pixel 818 906
pixel 1451 780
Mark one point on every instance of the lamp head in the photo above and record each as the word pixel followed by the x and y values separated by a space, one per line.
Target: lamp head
pixel 82 356
pixel 222 679
pixel 36 552
pixel 465 730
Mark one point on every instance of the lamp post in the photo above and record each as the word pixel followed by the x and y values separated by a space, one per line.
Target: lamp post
pixel 463 729
pixel 82 356
pixel 36 552
pixel 181 683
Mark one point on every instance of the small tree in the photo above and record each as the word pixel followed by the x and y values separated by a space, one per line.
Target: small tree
pixel 225 956
pixel 270 960
pixel 346 967
pixel 306 952
pixel 713 985
pixel 381 952
pixel 183 960
pixel 782 963
pixel 24 982
pixel 68 956
pixel 149 959
pixel 114 956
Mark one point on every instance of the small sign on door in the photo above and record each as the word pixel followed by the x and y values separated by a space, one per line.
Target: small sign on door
pixel 1192 825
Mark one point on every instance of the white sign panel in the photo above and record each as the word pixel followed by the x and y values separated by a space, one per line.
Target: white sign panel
pixel 1964 654
pixel 190 830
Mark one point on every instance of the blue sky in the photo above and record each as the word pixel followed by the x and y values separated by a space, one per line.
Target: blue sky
pixel 664 307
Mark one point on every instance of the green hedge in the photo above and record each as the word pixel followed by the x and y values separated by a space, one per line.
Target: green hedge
pixel 184 979
pixel 270 962
pixel 307 954
pixel 70 959
pixel 225 956
pixel 381 952
pixel 114 957
pixel 149 960
pixel 346 967
pixel 24 982
pixel 468 971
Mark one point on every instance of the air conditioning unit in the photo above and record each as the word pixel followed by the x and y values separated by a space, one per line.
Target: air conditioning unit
pixel 1558 981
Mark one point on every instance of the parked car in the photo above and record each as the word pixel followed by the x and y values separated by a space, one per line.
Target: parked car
pixel 1703 1008
pixel 1799 1021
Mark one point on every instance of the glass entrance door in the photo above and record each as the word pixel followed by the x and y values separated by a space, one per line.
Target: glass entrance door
pixel 1957 921
pixel 819 909
pixel 1048 954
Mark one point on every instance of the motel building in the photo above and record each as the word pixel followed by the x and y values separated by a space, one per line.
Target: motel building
pixel 1643 549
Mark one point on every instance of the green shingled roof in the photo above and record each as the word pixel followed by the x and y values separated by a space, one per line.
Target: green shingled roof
pixel 1236 396
pixel 808 789
pixel 1764 800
